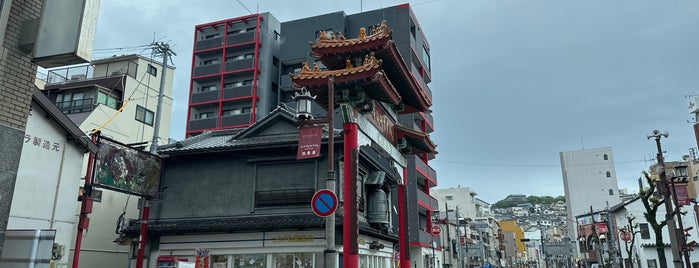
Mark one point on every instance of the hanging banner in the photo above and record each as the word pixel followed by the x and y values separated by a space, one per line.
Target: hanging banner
pixel 202 259
pixel 682 195
pixel 309 142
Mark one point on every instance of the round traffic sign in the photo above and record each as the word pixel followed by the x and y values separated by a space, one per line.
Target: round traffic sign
pixel 324 203
pixel 436 230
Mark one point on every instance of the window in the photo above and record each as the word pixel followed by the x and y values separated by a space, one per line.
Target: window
pixel 645 232
pixel 107 100
pixel 275 61
pixel 233 84
pixel 207 88
pixel 230 112
pixel 251 29
pixel 211 36
pixel 204 115
pixel 276 35
pixel 247 82
pixel 426 57
pixel 249 55
pixel 245 110
pixel 234 32
pixel 609 174
pixel 152 70
pixel 209 62
pixel 449 197
pixel 611 192
pixel 605 157
pixel 144 115
pixel 328 33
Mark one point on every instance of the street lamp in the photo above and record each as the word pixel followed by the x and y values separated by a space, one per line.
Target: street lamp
pixel 303 111
pixel 663 187
pixel 304 100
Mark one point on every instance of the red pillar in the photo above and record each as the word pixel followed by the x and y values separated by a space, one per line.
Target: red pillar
pixel 144 233
pixel 403 242
pixel 350 257
pixel 85 206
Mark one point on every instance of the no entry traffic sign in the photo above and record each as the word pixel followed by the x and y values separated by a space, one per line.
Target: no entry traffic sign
pixel 324 203
pixel 436 230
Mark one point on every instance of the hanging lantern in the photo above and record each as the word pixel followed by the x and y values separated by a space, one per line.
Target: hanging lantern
pixel 304 100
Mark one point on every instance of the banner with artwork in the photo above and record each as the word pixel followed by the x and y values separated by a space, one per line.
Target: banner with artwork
pixel 121 168
pixel 202 259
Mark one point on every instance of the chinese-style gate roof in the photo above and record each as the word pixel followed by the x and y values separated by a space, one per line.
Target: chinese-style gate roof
pixel 334 51
pixel 369 76
pixel 418 139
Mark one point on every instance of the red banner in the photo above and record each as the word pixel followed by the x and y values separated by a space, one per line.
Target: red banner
pixel 601 228
pixel 682 195
pixel 309 142
pixel 202 259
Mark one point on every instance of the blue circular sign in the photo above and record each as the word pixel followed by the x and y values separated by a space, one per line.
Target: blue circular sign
pixel 324 203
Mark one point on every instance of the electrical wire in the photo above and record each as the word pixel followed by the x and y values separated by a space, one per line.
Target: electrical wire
pixel 525 165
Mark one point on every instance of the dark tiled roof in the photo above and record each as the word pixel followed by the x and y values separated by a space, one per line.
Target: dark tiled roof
pixel 233 139
pixel 69 126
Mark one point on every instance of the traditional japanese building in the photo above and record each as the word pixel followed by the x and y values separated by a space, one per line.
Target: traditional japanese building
pixel 240 190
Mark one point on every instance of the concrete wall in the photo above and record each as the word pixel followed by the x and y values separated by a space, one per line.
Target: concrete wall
pixel 16 82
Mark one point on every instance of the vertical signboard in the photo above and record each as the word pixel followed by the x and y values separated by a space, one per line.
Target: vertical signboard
pixel 202 259
pixel 309 142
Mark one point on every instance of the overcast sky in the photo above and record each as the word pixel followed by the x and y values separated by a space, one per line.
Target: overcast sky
pixel 515 82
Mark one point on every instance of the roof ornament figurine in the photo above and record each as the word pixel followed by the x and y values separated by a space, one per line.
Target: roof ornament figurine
pixel 362 33
pixel 316 69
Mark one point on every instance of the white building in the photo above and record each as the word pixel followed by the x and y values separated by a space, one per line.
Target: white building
pixel 118 96
pixel 49 169
pixel 589 181
pixel 462 197
pixel 643 253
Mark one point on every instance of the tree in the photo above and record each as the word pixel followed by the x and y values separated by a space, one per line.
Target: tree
pixel 651 203
pixel 632 230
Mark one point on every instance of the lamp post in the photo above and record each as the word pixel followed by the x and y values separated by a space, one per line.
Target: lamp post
pixel 303 109
pixel 663 187
pixel 680 173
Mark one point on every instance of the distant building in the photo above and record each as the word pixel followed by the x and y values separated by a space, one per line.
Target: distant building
pixel 462 197
pixel 589 181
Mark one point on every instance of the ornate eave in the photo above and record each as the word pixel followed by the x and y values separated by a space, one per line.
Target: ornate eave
pixel 334 52
pixel 418 139
pixel 369 76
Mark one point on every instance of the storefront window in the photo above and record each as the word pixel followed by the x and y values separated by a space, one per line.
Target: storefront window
pixel 250 261
pixel 294 260
pixel 219 261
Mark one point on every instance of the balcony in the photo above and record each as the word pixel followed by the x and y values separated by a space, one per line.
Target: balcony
pixel 237 92
pixel 423 86
pixel 204 96
pixel 239 65
pixel 429 121
pixel 209 43
pixel 201 124
pixel 235 120
pixel 76 106
pixel 234 39
pixel 425 171
pixel 206 70
pixel 428 238
pixel 428 202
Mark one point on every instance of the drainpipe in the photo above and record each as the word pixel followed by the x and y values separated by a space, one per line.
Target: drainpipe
pixel 35 248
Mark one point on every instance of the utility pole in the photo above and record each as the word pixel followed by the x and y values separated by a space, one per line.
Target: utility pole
pixel 460 258
pixel 663 187
pixel 165 51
